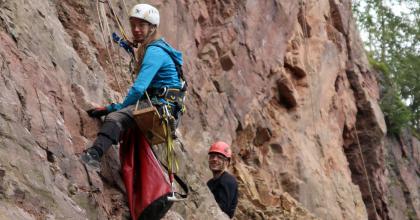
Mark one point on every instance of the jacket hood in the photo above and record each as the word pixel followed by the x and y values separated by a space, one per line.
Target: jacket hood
pixel 175 54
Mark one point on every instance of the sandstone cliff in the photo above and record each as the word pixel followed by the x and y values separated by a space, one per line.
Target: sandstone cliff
pixel 286 82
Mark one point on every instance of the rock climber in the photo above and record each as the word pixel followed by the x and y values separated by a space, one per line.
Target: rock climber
pixel 157 74
pixel 223 185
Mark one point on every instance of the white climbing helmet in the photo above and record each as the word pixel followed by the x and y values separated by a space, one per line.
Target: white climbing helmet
pixel 146 12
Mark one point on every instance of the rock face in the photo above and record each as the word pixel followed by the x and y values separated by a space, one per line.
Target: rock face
pixel 286 82
pixel 401 180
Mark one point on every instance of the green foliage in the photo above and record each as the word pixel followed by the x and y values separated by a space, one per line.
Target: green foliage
pixel 409 81
pixel 377 65
pixel 392 36
pixel 397 114
pixel 416 133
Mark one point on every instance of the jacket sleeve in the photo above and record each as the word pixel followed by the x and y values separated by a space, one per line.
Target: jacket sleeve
pixel 152 62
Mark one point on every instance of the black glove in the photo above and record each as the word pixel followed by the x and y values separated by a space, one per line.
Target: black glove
pixel 97 112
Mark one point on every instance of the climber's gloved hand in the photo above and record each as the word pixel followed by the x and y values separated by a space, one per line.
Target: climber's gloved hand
pixel 97 112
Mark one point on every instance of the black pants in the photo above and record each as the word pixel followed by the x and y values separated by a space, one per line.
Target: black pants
pixel 114 125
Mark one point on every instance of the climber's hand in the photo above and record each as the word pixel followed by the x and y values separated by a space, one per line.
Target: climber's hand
pixel 97 112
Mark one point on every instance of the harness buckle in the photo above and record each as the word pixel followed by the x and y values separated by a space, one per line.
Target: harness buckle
pixel 161 93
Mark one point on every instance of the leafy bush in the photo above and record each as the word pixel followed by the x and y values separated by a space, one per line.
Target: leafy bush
pixel 397 114
pixel 392 39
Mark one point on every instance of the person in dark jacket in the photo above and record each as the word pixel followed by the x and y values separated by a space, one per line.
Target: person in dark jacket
pixel 156 70
pixel 223 185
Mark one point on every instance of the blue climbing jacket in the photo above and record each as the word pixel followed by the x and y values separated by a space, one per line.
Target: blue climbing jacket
pixel 157 71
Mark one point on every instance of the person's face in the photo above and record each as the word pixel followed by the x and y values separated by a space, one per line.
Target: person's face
pixel 140 29
pixel 217 162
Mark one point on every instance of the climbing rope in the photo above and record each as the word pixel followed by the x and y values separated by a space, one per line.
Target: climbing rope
pixel 124 36
pixel 125 8
pixel 365 171
pixel 107 29
pixel 117 20
pixel 101 12
pixel 308 66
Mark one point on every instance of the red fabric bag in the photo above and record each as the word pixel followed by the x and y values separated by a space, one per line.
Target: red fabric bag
pixel 146 185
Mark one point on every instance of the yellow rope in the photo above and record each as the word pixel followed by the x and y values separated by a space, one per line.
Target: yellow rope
pixel 117 20
pixel 170 150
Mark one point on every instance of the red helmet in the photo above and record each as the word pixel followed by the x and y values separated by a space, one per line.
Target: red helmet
pixel 221 148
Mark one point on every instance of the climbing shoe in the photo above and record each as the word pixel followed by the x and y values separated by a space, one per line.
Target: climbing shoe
pixel 92 158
